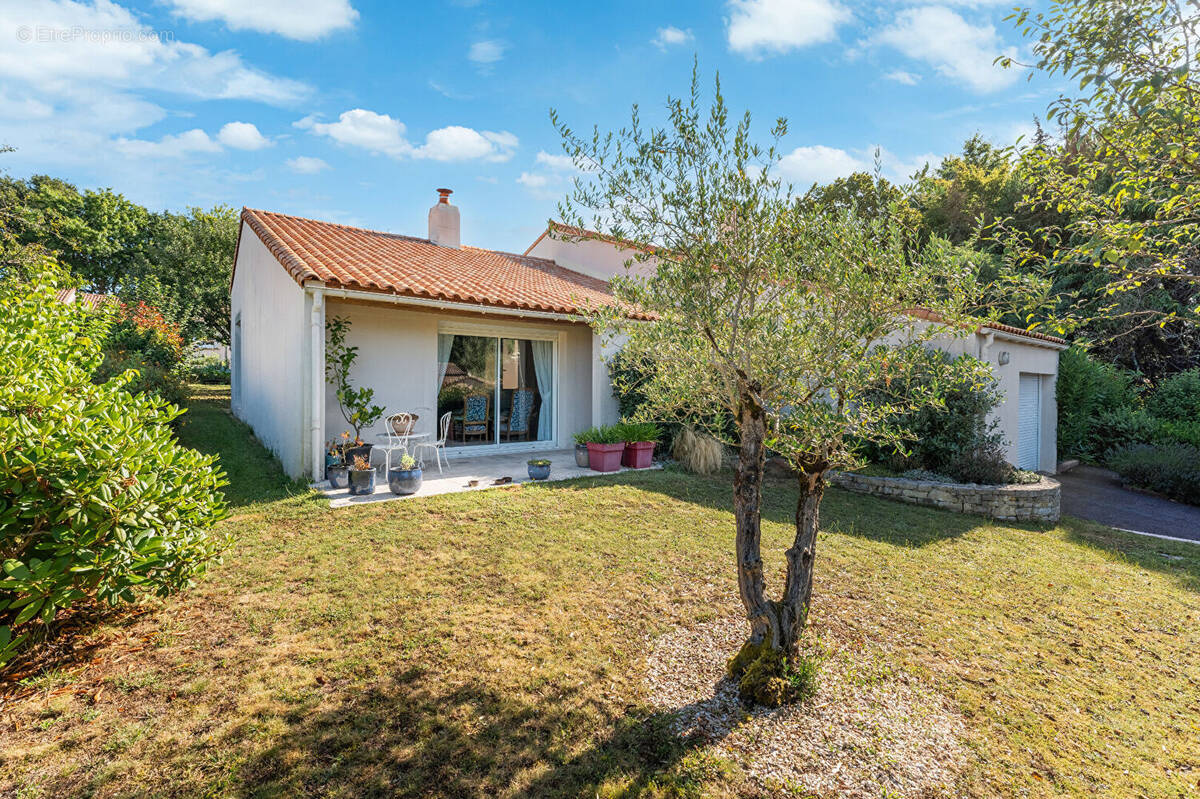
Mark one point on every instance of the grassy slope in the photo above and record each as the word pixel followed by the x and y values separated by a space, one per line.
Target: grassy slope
pixel 491 644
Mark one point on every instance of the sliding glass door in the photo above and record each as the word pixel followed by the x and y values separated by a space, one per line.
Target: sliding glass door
pixel 496 390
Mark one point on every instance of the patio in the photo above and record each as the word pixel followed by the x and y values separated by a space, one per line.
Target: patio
pixel 460 472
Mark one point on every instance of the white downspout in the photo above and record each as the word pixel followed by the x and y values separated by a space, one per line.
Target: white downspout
pixel 317 383
pixel 986 345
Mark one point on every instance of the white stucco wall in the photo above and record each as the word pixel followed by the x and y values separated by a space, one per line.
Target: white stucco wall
pixel 596 258
pixel 270 351
pixel 1024 357
pixel 398 359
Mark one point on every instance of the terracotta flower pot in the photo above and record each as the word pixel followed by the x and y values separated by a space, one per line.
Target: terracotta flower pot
pixel 638 454
pixel 403 429
pixel 605 457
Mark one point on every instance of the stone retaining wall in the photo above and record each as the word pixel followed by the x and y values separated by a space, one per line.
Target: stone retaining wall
pixel 1011 503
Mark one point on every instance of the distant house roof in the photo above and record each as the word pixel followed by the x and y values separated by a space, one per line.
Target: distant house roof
pixel 925 313
pixel 369 260
pixel 86 298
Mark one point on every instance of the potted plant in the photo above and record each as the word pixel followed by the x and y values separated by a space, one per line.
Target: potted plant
pixel 582 439
pixel 356 404
pixel 539 469
pixel 605 448
pixel 640 438
pixel 405 478
pixel 362 477
pixel 335 465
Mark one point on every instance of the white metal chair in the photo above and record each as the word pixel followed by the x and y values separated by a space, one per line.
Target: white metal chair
pixel 439 446
pixel 395 441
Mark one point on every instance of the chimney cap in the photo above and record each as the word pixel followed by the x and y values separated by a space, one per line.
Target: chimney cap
pixel 444 195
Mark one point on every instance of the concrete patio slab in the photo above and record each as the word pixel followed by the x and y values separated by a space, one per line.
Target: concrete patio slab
pixel 458 474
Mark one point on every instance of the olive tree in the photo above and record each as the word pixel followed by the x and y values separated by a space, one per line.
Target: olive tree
pixel 753 314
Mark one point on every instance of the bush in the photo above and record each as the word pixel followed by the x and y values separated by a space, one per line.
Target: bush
pixel 98 501
pixel 605 434
pixel 638 431
pixel 1170 432
pixel 1120 428
pixel 1172 470
pixel 208 370
pixel 1177 398
pixel 140 338
pixel 952 437
pixel 1087 388
pixel 696 452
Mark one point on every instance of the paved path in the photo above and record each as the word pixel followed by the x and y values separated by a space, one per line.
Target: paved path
pixel 1096 494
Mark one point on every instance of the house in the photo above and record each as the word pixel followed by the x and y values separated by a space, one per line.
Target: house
pixel 489 337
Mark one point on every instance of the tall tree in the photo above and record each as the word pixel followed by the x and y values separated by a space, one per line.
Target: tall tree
pixel 1127 172
pixel 760 311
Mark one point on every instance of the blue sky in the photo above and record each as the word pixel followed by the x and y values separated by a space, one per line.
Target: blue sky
pixel 355 111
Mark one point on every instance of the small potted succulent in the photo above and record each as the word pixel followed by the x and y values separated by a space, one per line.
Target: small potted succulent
pixel 362 477
pixel 405 478
pixel 604 445
pixel 640 438
pixel 581 450
pixel 335 466
pixel 539 469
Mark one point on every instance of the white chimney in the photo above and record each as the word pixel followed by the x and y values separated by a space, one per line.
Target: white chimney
pixel 444 224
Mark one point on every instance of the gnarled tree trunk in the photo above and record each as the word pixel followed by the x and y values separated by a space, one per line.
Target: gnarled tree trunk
pixel 797 590
pixel 747 511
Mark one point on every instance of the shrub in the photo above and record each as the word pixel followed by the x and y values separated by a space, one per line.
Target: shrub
pixel 207 370
pixel 697 452
pixel 140 338
pixel 1086 388
pixel 983 463
pixel 1119 428
pixel 605 434
pixel 1170 432
pixel 1172 470
pixel 98 501
pixel 1177 398
pixel 356 404
pixel 638 431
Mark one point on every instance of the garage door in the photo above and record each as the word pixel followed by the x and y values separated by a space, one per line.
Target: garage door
pixel 1029 428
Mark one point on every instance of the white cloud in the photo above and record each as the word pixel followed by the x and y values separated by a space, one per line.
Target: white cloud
pixel 379 133
pixel 671 36
pixel 900 76
pixel 242 136
pixel 955 48
pixel 169 146
pixel 818 163
pixel 563 163
pixel 488 51
pixel 758 28
pixel 306 165
pixel 533 180
pixel 306 20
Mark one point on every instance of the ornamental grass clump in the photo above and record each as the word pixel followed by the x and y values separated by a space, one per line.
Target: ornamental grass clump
pixel 98 500
pixel 696 452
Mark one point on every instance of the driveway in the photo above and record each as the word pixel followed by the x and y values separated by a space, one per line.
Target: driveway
pixel 1092 493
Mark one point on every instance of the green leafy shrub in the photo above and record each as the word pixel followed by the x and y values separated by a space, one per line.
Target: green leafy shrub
pixel 1085 389
pixel 638 431
pixel 952 436
pixel 605 434
pixel 1120 428
pixel 1170 432
pixel 1177 398
pixel 208 371
pixel 1172 470
pixel 98 501
pixel 139 337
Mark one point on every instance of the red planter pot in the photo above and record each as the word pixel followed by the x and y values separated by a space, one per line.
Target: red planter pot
pixel 638 454
pixel 605 457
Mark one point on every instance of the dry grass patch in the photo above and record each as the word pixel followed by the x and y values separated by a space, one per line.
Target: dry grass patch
pixel 495 644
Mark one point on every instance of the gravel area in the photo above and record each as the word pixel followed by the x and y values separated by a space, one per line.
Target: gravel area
pixel 868 732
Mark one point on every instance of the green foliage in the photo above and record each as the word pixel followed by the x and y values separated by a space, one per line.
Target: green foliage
pixel 638 431
pixel 604 434
pixel 1177 398
pixel 97 498
pixel 949 432
pixel 1086 388
pixel 356 404
pixel 140 338
pixel 1172 469
pixel 538 462
pixel 1119 428
pixel 208 370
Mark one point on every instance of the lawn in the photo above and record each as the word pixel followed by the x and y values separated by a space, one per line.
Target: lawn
pixel 495 644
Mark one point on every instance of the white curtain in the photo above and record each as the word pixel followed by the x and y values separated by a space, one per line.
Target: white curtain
pixel 543 367
pixel 445 342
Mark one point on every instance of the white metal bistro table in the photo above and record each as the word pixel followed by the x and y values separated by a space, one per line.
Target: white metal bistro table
pixel 392 441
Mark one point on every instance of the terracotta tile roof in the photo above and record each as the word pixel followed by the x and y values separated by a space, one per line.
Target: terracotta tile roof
pixel 369 260
pixel 87 298
pixel 925 313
